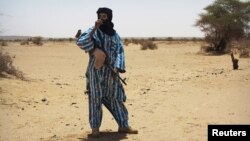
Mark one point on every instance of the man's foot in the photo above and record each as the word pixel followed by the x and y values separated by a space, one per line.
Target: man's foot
pixel 127 130
pixel 95 133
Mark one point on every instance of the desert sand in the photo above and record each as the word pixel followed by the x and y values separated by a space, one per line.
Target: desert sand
pixel 173 93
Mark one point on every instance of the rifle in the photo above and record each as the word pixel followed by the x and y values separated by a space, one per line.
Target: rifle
pixel 107 62
pixel 113 71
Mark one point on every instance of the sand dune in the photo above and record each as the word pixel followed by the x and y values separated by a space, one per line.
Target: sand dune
pixel 173 94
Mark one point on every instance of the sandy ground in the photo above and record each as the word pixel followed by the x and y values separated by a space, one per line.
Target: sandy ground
pixel 173 94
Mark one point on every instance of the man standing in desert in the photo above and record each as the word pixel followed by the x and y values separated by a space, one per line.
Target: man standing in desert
pixel 104 45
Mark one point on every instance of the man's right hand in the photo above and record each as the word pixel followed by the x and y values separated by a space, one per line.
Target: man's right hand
pixel 98 23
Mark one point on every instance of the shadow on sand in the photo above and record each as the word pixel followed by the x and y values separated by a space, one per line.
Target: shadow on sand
pixel 105 136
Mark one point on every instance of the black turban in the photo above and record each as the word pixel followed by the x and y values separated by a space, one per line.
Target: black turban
pixel 107 27
pixel 106 11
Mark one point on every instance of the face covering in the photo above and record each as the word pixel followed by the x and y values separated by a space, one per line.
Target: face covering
pixel 107 27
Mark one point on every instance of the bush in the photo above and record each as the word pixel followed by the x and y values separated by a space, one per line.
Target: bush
pixel 7 67
pixel 194 39
pixel 169 39
pixel 206 49
pixel 24 42
pixel 147 44
pixel 136 41
pixel 153 39
pixel 71 39
pixel 126 42
pixel 4 43
pixel 37 41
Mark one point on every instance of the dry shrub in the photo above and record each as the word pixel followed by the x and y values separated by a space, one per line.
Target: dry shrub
pixel 71 39
pixel 37 41
pixel 26 42
pixel 126 42
pixel 194 39
pixel 132 41
pixel 6 66
pixel 206 49
pixel 169 39
pixel 147 44
pixel 136 41
pixel 4 43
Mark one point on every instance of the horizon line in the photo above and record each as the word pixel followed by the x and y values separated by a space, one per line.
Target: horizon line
pixel 157 37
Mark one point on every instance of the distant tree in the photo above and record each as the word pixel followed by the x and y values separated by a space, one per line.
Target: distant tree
pixel 223 21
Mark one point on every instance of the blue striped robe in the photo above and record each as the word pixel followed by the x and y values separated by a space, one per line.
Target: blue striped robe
pixel 102 83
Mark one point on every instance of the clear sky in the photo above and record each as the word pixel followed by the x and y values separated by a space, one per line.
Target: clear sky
pixel 132 18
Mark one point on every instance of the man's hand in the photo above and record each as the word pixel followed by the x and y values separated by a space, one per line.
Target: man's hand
pixel 99 58
pixel 98 23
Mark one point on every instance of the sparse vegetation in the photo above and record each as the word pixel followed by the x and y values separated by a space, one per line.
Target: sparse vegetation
pixel 145 43
pixel 6 66
pixel 37 41
pixel 25 42
pixel 224 21
pixel 148 44
pixel 126 42
pixel 206 48
pixel 169 39
pixel 4 43
pixel 71 39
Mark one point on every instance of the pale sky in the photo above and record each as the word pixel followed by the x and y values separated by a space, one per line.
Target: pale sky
pixel 132 18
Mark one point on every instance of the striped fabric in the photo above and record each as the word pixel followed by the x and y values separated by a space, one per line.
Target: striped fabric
pixel 112 45
pixel 115 107
pixel 102 85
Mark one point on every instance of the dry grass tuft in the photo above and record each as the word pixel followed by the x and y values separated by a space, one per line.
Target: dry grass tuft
pixel 6 66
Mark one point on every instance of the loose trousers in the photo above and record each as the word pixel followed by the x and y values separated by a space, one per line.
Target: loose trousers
pixel 116 108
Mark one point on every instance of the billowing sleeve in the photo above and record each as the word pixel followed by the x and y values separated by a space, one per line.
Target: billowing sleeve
pixel 85 42
pixel 120 60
